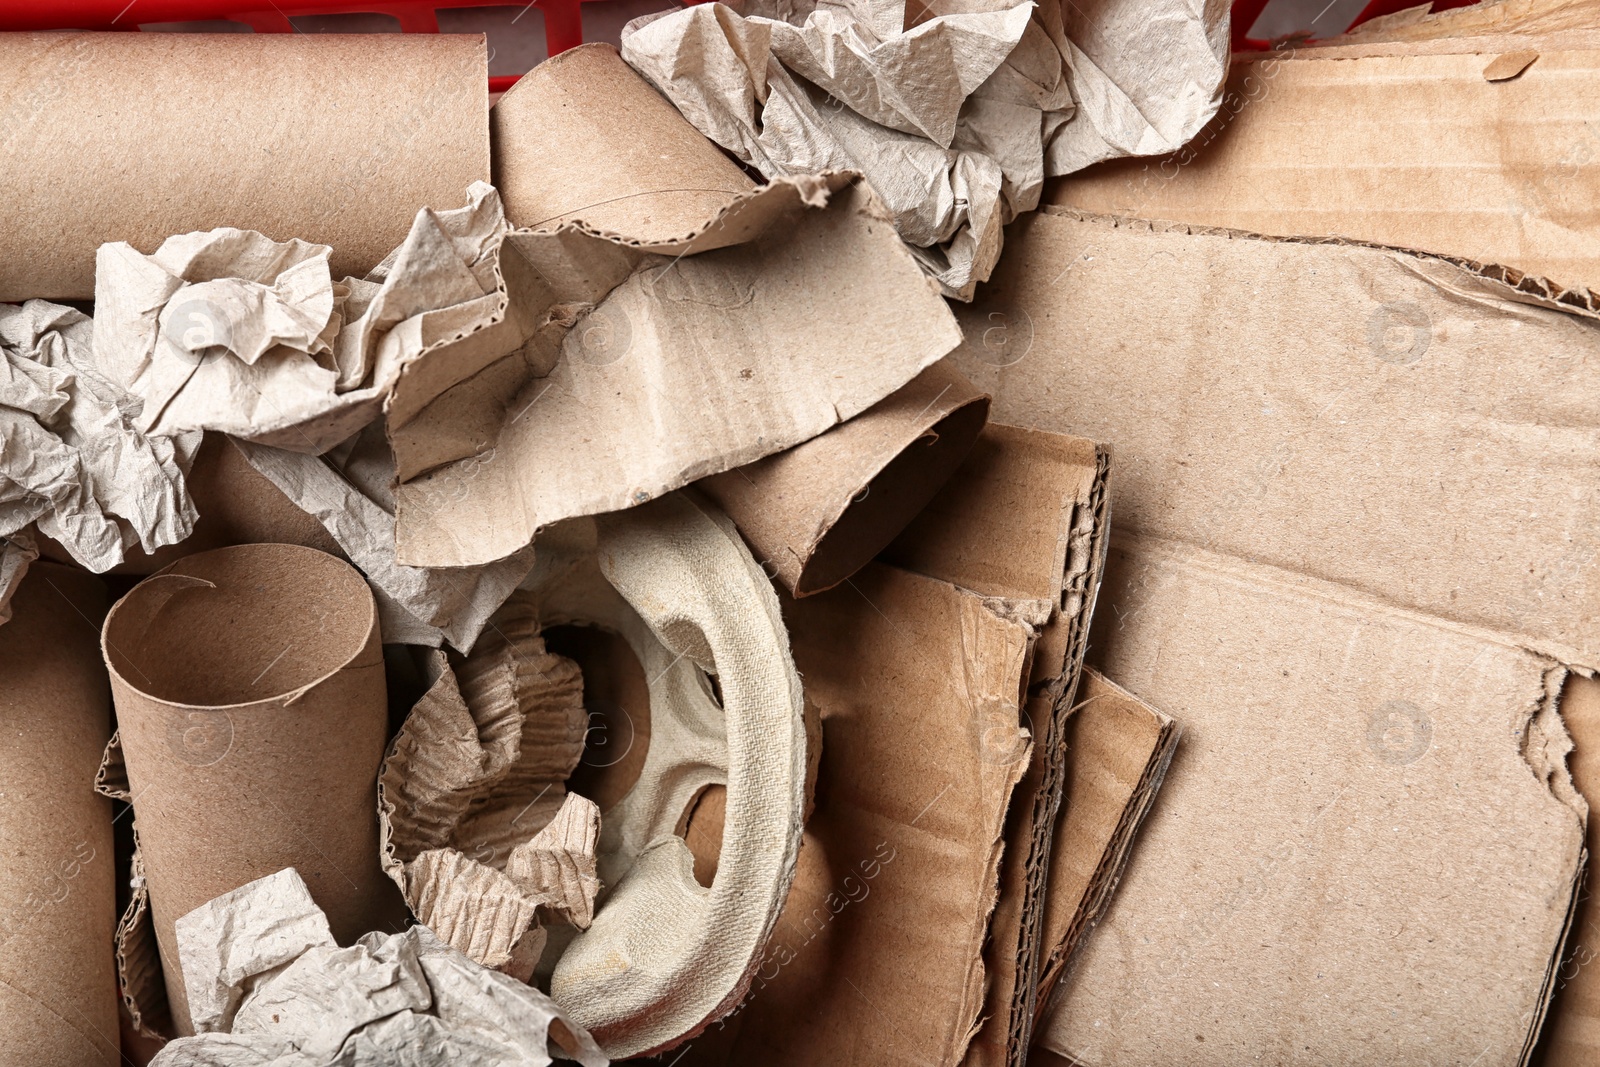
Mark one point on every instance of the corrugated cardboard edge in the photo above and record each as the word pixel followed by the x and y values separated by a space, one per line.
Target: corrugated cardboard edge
pixel 1517 285
pixel 1119 846
pixel 139 974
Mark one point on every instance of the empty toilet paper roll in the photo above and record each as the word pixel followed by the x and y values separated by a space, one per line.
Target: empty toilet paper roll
pixel 250 700
pixel 815 515
pixel 337 140
pixel 58 899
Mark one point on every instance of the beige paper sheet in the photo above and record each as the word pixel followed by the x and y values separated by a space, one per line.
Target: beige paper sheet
pixel 338 140
pixel 249 689
pixel 817 513
pixel 58 901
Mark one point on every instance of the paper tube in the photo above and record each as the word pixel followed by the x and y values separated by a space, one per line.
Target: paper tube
pixel 583 138
pixel 817 513
pixel 250 698
pixel 134 137
pixel 58 906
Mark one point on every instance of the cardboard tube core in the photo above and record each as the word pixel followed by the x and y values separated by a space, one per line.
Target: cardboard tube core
pixel 250 698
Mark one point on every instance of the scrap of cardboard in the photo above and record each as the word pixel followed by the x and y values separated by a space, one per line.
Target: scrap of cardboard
pixel 249 691
pixel 817 513
pixel 58 985
pixel 1474 20
pixel 1118 751
pixel 1023 523
pixel 1409 152
pixel 335 139
pixel 1377 521
pixel 1572 1033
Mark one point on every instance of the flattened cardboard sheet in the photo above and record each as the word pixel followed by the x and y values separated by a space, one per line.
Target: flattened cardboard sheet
pixel 334 139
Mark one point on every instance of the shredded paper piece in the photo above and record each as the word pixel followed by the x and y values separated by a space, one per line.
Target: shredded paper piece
pixel 72 459
pixel 479 831
pixel 955 117
pixel 271 986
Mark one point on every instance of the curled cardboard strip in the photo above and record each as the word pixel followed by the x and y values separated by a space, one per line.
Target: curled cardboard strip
pixel 478 829
pixel 667 956
pixel 58 996
pixel 335 139
pixel 818 512
pixel 250 700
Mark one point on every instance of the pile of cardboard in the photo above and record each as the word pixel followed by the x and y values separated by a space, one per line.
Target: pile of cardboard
pixel 878 534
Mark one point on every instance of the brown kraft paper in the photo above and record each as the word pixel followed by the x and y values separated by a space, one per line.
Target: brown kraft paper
pixel 250 700
pixel 58 987
pixel 337 140
pixel 816 514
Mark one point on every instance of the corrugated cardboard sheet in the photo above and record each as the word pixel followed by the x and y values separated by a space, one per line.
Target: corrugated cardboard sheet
pixel 1354 549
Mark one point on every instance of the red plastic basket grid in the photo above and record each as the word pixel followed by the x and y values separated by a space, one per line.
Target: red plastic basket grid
pixel 562 19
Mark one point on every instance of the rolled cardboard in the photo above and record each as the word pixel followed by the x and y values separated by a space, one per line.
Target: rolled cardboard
pixel 338 140
pixel 238 506
pixel 582 138
pixel 817 513
pixel 250 699
pixel 58 899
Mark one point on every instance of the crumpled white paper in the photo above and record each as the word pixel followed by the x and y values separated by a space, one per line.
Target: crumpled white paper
pixel 230 330
pixel 955 119
pixel 16 552
pixel 349 491
pixel 269 985
pixel 72 459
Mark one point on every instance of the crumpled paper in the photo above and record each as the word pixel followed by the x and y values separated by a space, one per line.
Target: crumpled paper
pixel 230 330
pixel 269 985
pixel 956 115
pixel 477 827
pixel 72 457
pixel 16 552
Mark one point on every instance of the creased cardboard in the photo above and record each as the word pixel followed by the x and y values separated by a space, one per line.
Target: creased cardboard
pixel 1023 523
pixel 818 512
pixel 689 367
pixel 666 956
pixel 338 140
pixel 349 491
pixel 1572 1031
pixel 954 113
pixel 1351 569
pixel 1118 751
pixel 280 990
pixel 1431 147
pixel 71 456
pixel 58 903
pixel 478 829
pixel 250 702
pixel 1350 915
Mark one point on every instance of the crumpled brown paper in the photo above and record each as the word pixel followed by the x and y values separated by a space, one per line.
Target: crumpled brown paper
pixel 349 491
pixel 272 986
pixel 955 114
pixel 71 456
pixel 478 829
pixel 230 330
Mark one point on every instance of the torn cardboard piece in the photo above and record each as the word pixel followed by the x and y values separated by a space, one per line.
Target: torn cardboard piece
pixel 1024 524
pixel 1346 910
pixel 1410 154
pixel 979 105
pixel 665 956
pixel 830 300
pixel 250 701
pixel 1505 16
pixel 335 139
pixel 350 492
pixel 58 900
pixel 1118 750
pixel 478 829
pixel 279 989
pixel 878 956
pixel 71 457
pixel 1428 405
pixel 229 330
pixel 1571 1034
pixel 818 512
